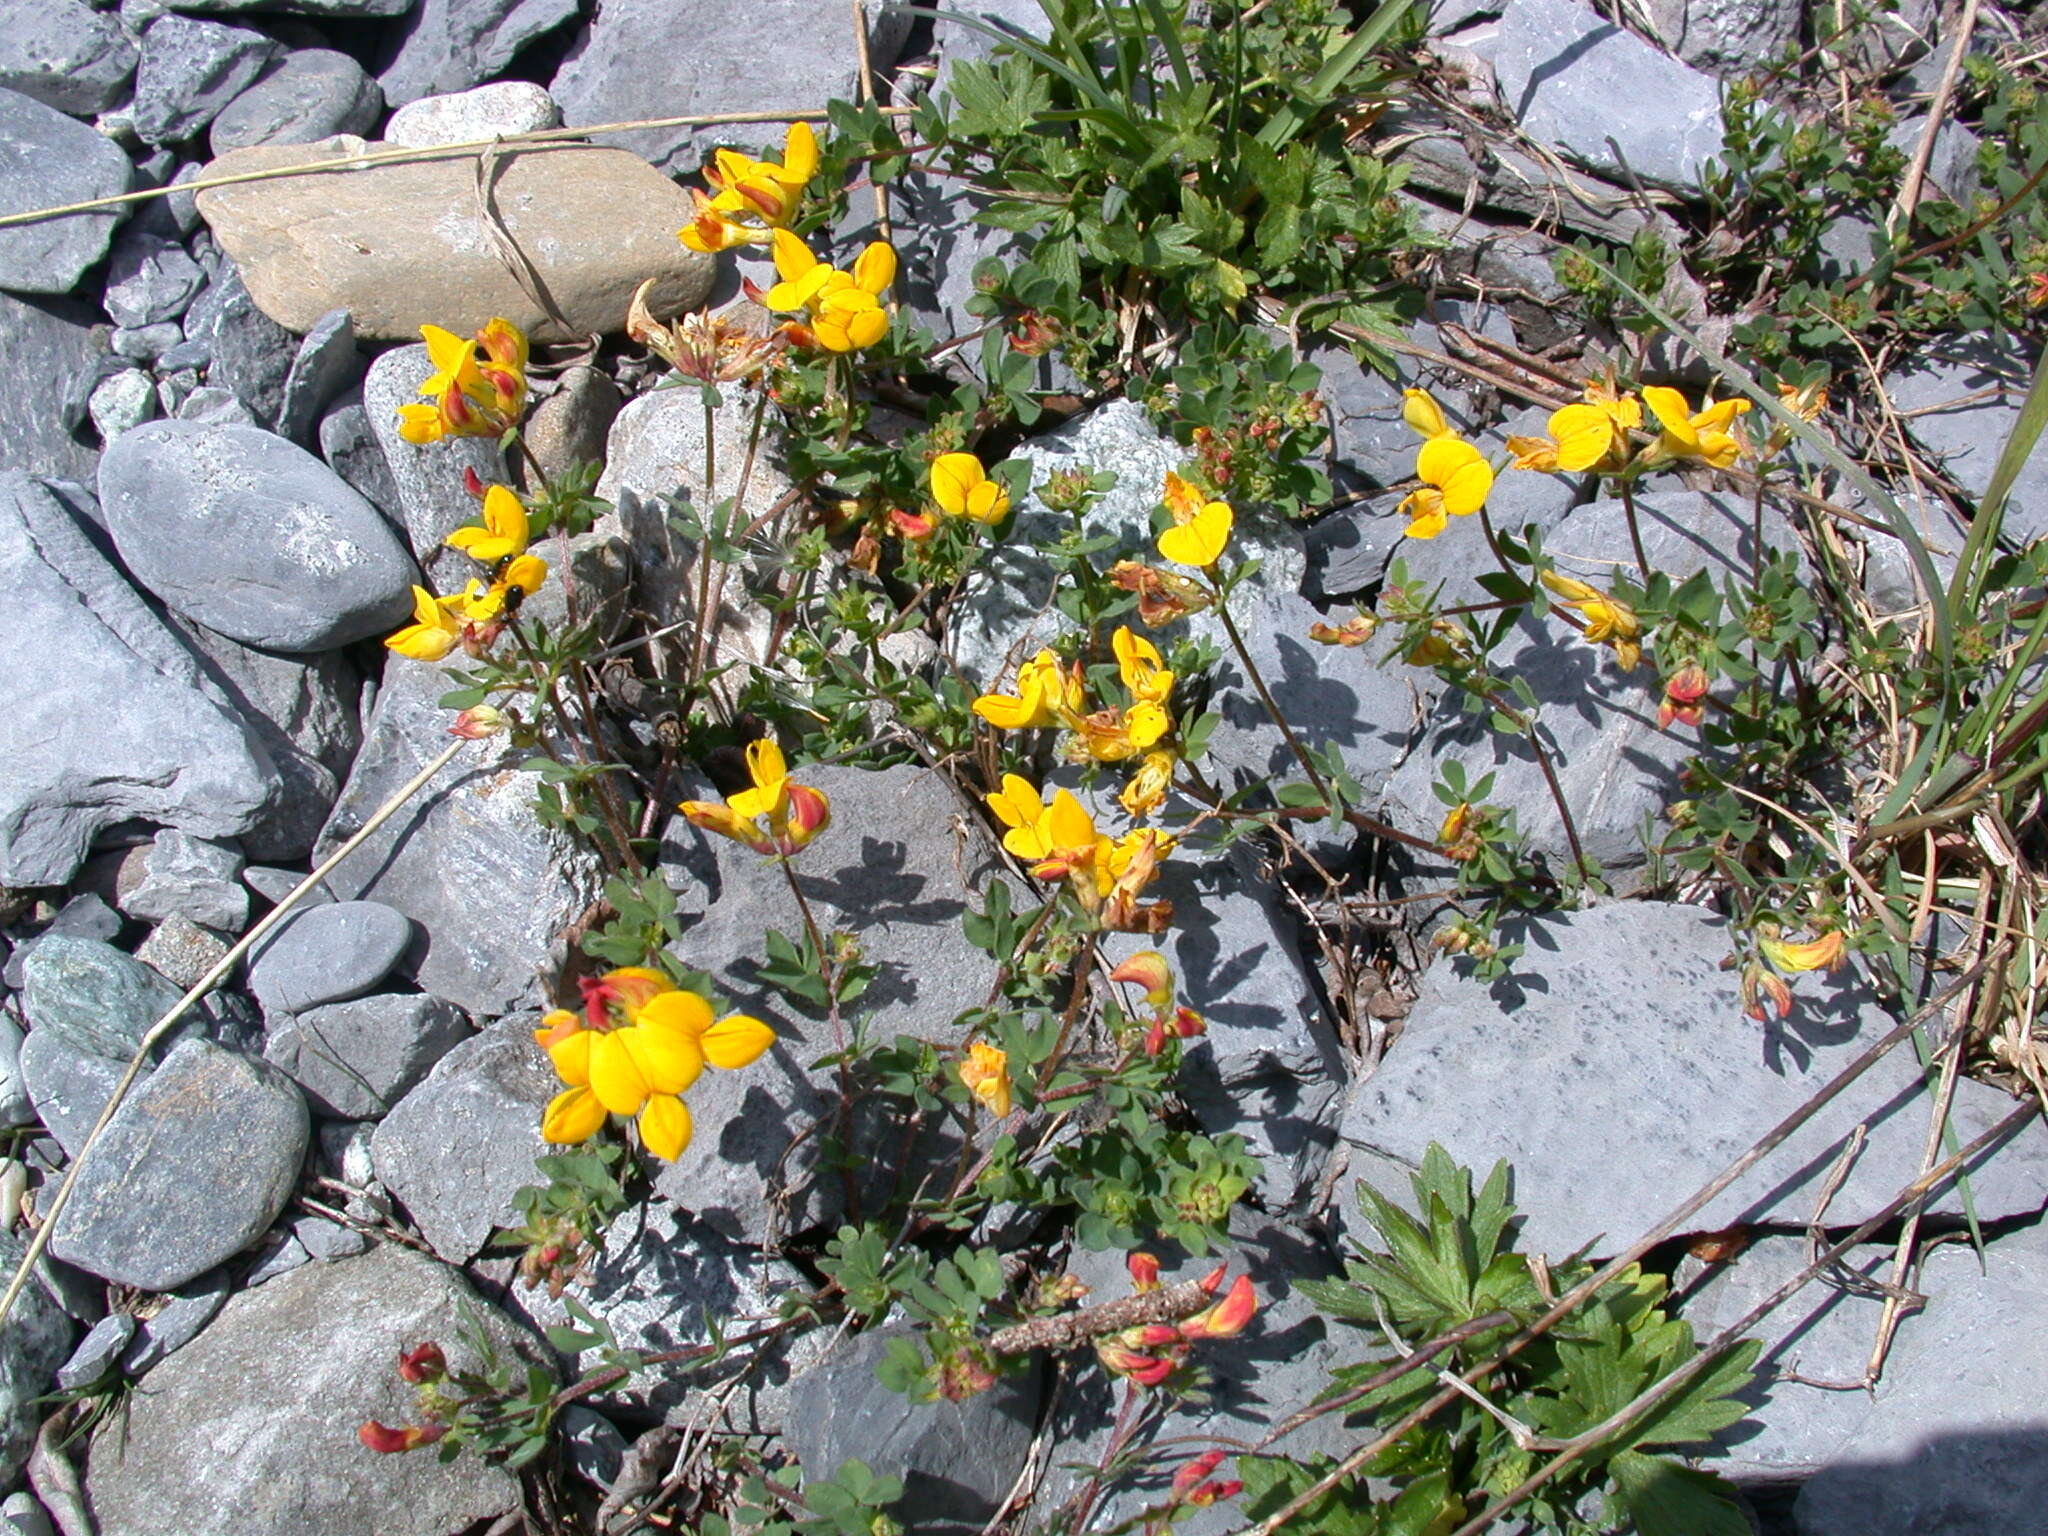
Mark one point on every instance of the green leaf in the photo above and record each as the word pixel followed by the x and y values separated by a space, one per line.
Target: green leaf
pixel 1665 1499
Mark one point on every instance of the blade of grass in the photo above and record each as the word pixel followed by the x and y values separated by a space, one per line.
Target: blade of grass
pixel 1169 41
pixel 1089 85
pixel 1284 124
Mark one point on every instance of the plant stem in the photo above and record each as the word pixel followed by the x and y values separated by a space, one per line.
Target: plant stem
pixel 1251 671
pixel 1635 532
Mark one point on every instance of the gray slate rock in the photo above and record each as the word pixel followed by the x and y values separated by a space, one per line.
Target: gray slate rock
pixel 46 339
pixel 1574 79
pixel 327 1241
pixel 658 1277
pixel 149 279
pixel 349 445
pixel 328 954
pixel 472 830
pixel 186 1310
pixel 593 1445
pixel 92 995
pixel 189 71
pixel 1269 1068
pixel 894 870
pixel 47 158
pixel 66 54
pixel 98 1352
pixel 68 1086
pixel 207 1435
pixel 1950 1444
pixel 1960 403
pixel 1729 38
pixel 328 362
pixel 1608 1131
pixel 145 343
pixel 1614 765
pixel 957 1460
pixel 190 877
pixel 461 1144
pixel 253 537
pixel 356 1059
pixel 339 8
pixel 431 501
pixel 287 1256
pixel 36 1341
pixel 611 75
pixel 15 1108
pixel 251 353
pixel 1005 612
pixel 307 95
pixel 155 1205
pixel 23 1516
pixel 451 45
pixel 1276 1367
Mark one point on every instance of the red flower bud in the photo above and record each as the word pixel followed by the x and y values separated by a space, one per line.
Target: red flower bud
pixel 1144 1271
pixel 386 1441
pixel 425 1363
pixel 472 482
pixel 1228 1317
pixel 1214 1278
pixel 1194 1472
pixel 1188 1024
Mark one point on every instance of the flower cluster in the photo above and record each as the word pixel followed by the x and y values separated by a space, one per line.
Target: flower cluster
pixel 774 815
pixel 1104 874
pixel 634 1049
pixel 473 617
pixel 1607 620
pixel 842 310
pixel 1148 969
pixel 1051 694
pixel 754 197
pixel 1764 987
pixel 478 387
pixel 1152 1352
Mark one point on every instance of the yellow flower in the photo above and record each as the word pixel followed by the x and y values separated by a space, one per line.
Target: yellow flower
pixel 1455 481
pixel 1104 875
pixel 503 533
pixel 435 630
pixel 1420 410
pixel 1036 830
pixel 1609 621
pixel 1702 434
pixel 963 489
pixel 1146 791
pixel 478 384
pixel 1592 433
pixel 1821 954
pixel 774 816
pixel 635 1048
pixel 1113 735
pixel 1141 667
pixel 517 579
pixel 1046 694
pixel 1201 529
pixel 844 308
pixel 986 1075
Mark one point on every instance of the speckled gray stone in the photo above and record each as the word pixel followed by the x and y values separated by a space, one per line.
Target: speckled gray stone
pixel 189 71
pixel 149 279
pixel 458 1147
pixel 307 95
pixel 94 996
pixel 35 1342
pixel 328 954
pixel 502 108
pixel 47 158
pixel 253 537
pixel 66 54
pixel 190 877
pixel 1610 1128
pixel 154 1203
pixel 206 1434
pixel 98 1352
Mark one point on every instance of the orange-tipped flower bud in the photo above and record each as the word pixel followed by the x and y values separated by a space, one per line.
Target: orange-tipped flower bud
pixel 425 1363
pixel 386 1441
pixel 1147 969
pixel 1214 1278
pixel 1196 1471
pixel 1144 1271
pixel 1189 1024
pixel 478 722
pixel 1228 1317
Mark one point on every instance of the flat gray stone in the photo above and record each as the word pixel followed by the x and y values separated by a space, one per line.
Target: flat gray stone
pixel 956 1460
pixel 68 1086
pixel 356 1059
pixel 92 995
pixel 1549 1069
pixel 207 1436
pixel 1960 403
pixel 45 339
pixel 428 479
pixel 186 1310
pixel 154 1203
pixel 65 54
pixel 460 1145
pixel 149 279
pixel 1729 38
pixel 897 868
pixel 189 877
pixel 349 445
pixel 47 159
pixel 97 1353
pixel 472 830
pixel 251 353
pixel 451 45
pixel 189 71
pixel 327 364
pixel 307 95
pixel 1573 79
pixel 15 1108
pixel 328 954
pixel 253 537
pixel 1950 1444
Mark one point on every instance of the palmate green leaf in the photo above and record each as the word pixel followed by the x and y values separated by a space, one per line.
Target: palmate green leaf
pixel 1707 1405
pixel 1270 1482
pixel 1663 1498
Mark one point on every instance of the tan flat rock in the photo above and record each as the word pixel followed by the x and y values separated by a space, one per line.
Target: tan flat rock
pixel 403 244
